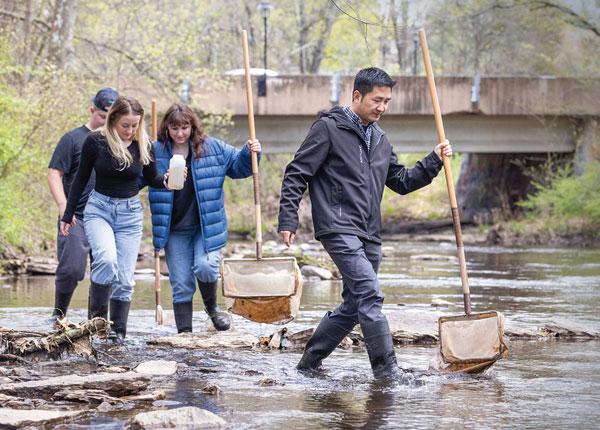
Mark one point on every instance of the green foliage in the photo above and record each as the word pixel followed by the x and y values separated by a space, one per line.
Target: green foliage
pixel 239 196
pixel 142 46
pixel 427 203
pixel 568 197
pixel 354 45
pixel 32 119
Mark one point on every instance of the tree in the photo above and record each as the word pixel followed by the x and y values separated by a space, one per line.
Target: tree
pixel 318 21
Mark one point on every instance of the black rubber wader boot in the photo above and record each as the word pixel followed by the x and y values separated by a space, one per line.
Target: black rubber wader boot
pixel 98 301
pixel 380 348
pixel 119 312
pixel 61 305
pixel 183 316
pixel 326 337
pixel 219 319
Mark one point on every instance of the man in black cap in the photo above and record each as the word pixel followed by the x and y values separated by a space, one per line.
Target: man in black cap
pixel 346 161
pixel 72 250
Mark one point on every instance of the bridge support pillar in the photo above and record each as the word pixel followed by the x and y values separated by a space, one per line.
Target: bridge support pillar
pixel 588 143
pixel 490 185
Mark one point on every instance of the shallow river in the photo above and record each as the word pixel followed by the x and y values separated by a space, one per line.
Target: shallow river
pixel 543 384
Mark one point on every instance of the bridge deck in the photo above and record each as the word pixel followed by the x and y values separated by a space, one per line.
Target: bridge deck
pixel 511 114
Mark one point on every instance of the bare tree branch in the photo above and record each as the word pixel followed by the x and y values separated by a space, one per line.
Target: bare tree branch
pixel 572 17
pixel 13 15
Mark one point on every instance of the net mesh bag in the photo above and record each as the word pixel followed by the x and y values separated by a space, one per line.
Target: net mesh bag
pixel 272 277
pixel 472 339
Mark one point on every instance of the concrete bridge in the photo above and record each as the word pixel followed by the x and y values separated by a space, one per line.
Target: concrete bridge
pixel 487 115
pixel 501 126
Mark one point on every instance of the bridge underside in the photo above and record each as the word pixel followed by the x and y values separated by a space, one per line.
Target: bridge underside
pixel 468 133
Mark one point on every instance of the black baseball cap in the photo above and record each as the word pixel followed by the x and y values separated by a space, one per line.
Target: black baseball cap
pixel 105 98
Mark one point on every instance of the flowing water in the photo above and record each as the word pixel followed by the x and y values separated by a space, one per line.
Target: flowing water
pixel 543 384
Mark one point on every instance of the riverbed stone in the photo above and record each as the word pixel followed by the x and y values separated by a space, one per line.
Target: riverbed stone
pixel 411 327
pixel 434 257
pixel 40 266
pixel 209 340
pixel 16 418
pixel 211 389
pixel 441 303
pixel 116 384
pixel 388 251
pixel 115 369
pixel 157 367
pixel 188 417
pixel 314 271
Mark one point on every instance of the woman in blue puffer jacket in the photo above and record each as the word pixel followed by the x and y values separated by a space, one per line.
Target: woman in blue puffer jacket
pixel 191 224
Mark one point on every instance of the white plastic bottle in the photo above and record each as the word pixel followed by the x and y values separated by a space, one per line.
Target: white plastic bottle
pixel 176 167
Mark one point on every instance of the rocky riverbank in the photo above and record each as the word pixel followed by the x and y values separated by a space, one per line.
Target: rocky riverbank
pixel 312 258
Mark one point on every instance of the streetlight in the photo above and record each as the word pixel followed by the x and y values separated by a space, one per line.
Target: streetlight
pixel 264 7
pixel 415 52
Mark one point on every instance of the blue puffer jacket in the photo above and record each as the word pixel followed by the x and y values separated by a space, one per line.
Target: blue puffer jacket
pixel 208 173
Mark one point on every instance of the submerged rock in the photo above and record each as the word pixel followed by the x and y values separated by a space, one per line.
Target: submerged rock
pixel 93 396
pixel 552 331
pixel 157 367
pixel 213 340
pixel 269 382
pixel 20 402
pixel 441 303
pixel 16 418
pixel 116 384
pixel 212 389
pixel 309 271
pixel 434 257
pixel 115 369
pixel 414 327
pixel 188 417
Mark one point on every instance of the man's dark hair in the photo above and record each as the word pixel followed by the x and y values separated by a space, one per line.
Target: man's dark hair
pixel 366 79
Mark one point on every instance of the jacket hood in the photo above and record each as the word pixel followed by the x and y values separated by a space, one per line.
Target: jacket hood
pixel 338 115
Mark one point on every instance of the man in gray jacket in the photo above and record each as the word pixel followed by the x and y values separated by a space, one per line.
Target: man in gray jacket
pixel 346 160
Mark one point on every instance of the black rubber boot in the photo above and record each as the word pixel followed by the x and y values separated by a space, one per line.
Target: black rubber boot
pixel 119 311
pixel 326 337
pixel 219 319
pixel 183 316
pixel 380 347
pixel 61 304
pixel 98 301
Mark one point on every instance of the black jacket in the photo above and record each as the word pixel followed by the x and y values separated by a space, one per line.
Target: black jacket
pixel 346 180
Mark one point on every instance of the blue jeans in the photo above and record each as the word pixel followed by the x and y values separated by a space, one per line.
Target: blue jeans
pixel 114 230
pixel 187 261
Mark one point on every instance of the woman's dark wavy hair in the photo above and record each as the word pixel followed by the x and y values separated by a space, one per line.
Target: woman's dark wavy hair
pixel 179 114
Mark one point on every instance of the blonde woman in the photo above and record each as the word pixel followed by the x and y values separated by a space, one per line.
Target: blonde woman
pixel 119 154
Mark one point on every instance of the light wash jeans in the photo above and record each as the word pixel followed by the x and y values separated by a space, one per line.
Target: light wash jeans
pixel 114 230
pixel 187 261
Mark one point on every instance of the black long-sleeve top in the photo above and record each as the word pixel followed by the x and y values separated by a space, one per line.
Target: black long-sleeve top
pixel 110 180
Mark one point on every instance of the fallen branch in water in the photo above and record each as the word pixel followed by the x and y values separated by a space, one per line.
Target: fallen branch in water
pixel 72 338
pixel 12 357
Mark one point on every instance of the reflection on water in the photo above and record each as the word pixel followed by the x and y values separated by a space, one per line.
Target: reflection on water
pixel 542 384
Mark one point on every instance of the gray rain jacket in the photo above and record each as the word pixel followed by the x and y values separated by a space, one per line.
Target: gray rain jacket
pixel 345 179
